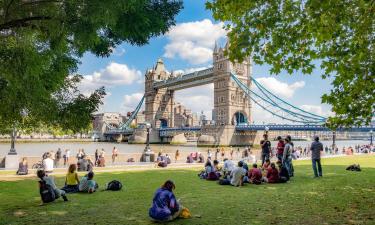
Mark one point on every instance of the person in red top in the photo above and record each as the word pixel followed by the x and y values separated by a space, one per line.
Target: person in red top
pixel 280 148
pixel 272 174
pixel 255 175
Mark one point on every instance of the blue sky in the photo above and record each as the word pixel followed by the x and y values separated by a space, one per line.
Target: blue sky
pixel 185 47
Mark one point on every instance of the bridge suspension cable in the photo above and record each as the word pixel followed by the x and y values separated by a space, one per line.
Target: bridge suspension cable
pixel 283 110
pixel 126 125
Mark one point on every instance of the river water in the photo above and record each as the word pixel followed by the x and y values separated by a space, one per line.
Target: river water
pixel 37 149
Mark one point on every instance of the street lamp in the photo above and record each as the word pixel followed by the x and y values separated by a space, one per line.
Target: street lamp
pixel 147 148
pixel 12 150
pixel 370 137
pixel 148 155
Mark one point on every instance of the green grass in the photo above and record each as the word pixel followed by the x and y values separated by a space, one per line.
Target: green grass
pixel 340 197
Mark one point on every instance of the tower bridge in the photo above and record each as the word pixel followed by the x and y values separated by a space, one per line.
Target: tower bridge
pixel 235 90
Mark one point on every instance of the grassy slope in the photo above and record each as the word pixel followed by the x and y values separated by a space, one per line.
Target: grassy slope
pixel 341 197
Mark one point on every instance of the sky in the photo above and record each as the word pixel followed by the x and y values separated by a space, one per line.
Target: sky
pixel 187 47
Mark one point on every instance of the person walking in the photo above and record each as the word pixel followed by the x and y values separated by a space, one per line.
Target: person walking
pixel 176 155
pixel 114 154
pixel 316 148
pixel 266 148
pixel 58 157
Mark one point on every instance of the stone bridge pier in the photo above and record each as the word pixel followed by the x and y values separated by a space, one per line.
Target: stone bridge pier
pixel 225 135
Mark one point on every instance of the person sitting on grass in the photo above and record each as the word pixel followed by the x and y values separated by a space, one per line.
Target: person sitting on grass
pixel 272 174
pixel 71 180
pixel 266 165
pixel 283 173
pixel 161 160
pixel 228 167
pixel 165 207
pixel 255 175
pixel 49 180
pixel 208 168
pixel 216 166
pixel 23 167
pixel 236 176
pixel 87 184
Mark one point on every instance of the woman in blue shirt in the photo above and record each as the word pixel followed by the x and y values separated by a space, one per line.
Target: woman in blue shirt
pixel 164 205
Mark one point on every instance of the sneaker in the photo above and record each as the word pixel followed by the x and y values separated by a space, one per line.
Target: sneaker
pixel 65 198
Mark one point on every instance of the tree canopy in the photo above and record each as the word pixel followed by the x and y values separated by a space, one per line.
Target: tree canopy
pixel 297 35
pixel 41 42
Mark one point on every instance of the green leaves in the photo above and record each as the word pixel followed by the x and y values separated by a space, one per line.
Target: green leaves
pixel 292 35
pixel 41 43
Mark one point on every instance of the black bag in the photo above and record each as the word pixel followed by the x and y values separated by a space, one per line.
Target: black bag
pixel 114 185
pixel 46 192
pixel 224 182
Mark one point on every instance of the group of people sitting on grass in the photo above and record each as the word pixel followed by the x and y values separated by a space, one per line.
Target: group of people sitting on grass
pixel 162 160
pixel 72 184
pixel 240 174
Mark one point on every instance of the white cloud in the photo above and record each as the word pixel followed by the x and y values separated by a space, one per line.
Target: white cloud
pixel 131 101
pixel 119 51
pixel 280 88
pixel 194 41
pixel 114 74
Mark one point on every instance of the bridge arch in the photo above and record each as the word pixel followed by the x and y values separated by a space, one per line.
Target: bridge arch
pixel 239 117
pixel 163 123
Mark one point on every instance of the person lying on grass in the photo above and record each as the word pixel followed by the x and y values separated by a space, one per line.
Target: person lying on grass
pixel 71 180
pixel 49 181
pixel 87 184
pixel 164 206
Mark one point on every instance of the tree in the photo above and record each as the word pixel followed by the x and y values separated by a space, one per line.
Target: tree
pixel 296 35
pixel 41 42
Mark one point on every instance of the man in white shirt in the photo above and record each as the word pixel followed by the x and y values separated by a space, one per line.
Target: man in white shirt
pixel 48 164
pixel 228 165
pixel 237 175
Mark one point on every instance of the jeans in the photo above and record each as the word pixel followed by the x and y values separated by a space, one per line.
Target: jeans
pixel 265 157
pixel 287 163
pixel 317 171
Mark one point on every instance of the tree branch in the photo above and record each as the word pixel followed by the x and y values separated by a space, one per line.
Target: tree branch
pixel 22 22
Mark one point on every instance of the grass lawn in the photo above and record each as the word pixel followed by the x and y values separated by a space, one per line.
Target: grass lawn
pixel 340 197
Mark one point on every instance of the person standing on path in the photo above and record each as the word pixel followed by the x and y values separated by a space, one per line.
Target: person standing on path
pixel 316 148
pixel 266 148
pixel 176 156
pixel 114 154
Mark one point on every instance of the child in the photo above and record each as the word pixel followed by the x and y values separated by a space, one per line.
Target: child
pixel 49 181
pixel 87 183
pixel 71 180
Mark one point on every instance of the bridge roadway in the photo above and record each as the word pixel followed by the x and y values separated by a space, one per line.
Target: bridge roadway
pixel 165 132
pixel 189 80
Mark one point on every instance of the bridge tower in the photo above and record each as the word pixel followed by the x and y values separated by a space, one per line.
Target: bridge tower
pixel 159 103
pixel 231 105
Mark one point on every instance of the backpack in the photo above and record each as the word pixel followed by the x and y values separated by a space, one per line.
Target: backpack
pixel 46 192
pixel 114 185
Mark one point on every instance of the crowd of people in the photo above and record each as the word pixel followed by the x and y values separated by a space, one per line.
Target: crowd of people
pixel 279 171
pixel 275 166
